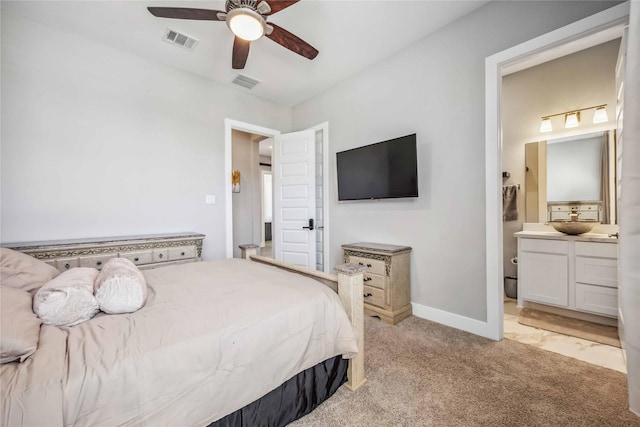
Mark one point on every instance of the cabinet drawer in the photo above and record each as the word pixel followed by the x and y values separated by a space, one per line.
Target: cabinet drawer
pixel 559 208
pixel 95 261
pixel 183 252
pixel 558 216
pixel 64 264
pixel 589 215
pixel 375 296
pixel 602 250
pixel 375 266
pixel 160 255
pixel 544 245
pixel 375 280
pixel 597 299
pixel 597 271
pixel 138 258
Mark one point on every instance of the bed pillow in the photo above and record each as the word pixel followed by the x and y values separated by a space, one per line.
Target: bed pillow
pixel 23 271
pixel 19 326
pixel 68 299
pixel 120 287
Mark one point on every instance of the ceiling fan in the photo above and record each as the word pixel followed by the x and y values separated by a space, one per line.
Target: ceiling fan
pixel 247 20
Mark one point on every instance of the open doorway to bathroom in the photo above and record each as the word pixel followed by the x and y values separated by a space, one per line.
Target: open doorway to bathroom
pixel 531 179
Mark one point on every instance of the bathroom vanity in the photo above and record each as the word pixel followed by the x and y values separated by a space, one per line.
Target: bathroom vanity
pixel 577 273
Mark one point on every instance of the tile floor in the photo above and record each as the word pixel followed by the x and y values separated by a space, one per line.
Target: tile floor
pixel 577 348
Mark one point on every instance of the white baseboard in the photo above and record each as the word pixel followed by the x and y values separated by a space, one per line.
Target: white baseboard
pixel 467 324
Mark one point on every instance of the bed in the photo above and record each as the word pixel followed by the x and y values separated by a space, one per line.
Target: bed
pixel 214 341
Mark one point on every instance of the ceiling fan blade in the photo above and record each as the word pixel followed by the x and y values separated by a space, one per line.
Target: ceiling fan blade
pixel 292 42
pixel 240 53
pixel 278 5
pixel 186 13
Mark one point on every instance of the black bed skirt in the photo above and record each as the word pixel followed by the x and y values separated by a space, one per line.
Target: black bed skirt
pixel 294 399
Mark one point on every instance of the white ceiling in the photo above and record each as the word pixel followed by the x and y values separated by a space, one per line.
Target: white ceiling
pixel 350 35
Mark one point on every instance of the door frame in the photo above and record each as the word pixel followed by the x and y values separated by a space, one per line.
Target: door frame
pixel 524 55
pixel 229 126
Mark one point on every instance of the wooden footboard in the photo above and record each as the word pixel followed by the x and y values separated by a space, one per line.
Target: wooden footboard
pixel 348 284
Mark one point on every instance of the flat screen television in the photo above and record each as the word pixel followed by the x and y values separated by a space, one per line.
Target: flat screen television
pixel 386 170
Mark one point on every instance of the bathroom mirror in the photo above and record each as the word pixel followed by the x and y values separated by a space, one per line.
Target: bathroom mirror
pixel 579 168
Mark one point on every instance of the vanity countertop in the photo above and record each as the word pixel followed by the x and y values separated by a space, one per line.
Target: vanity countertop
pixel 556 235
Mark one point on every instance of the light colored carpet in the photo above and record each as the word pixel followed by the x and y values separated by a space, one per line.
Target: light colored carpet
pixel 568 326
pixel 421 373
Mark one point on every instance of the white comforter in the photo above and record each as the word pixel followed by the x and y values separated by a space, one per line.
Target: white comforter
pixel 212 337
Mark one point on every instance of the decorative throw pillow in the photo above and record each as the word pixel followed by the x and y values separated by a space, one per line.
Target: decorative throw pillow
pixel 120 287
pixel 68 299
pixel 19 326
pixel 23 271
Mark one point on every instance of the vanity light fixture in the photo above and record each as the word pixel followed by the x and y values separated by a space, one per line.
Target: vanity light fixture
pixel 600 116
pixel 545 125
pixel 572 117
pixel 572 120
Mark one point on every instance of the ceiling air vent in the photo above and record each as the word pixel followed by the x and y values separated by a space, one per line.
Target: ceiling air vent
pixel 180 39
pixel 245 81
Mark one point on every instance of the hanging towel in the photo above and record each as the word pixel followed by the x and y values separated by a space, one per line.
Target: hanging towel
pixel 510 202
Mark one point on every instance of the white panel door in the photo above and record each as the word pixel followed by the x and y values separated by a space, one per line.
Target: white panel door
pixel 294 205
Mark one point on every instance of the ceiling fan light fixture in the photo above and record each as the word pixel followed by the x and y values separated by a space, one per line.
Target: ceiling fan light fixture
pixel 246 23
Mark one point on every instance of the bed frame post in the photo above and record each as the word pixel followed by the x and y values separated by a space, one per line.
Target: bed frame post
pixel 247 250
pixel 350 290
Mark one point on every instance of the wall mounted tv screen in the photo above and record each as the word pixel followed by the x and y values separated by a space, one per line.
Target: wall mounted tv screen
pixel 386 170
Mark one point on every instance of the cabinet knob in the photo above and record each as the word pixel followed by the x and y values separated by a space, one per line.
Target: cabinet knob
pixel 159 255
pixel 136 259
pixel 67 266
pixel 181 253
pixel 99 263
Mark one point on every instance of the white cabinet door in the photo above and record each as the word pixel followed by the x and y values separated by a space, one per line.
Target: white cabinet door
pixel 544 278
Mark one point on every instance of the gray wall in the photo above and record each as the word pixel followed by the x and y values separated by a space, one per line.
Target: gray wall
pixel 99 142
pixel 436 89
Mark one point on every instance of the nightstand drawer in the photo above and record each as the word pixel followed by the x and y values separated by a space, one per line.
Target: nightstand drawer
pixel 95 261
pixel 183 252
pixel 160 255
pixel 375 266
pixel 373 296
pixel 138 258
pixel 64 264
pixel 374 280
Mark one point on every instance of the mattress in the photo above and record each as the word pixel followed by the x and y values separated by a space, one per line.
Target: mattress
pixel 212 337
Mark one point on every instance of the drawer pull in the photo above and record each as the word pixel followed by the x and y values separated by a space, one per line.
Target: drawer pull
pixel 181 253
pixel 368 265
pixel 67 266
pixel 99 263
pixel 367 279
pixel 368 295
pixel 159 255
pixel 136 259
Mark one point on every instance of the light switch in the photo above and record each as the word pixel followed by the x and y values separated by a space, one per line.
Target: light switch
pixel 210 200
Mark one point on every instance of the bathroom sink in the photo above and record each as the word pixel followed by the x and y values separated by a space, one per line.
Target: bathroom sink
pixel 573 227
